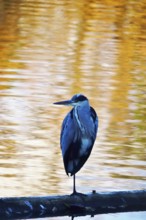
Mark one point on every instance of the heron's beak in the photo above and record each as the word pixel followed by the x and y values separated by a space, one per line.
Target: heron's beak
pixel 67 102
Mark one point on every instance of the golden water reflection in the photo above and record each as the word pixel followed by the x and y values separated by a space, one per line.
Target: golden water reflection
pixel 50 51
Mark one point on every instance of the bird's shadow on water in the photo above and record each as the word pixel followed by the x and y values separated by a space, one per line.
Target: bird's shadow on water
pixel 75 216
pixel 78 210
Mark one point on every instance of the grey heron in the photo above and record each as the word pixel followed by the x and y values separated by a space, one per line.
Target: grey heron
pixel 78 134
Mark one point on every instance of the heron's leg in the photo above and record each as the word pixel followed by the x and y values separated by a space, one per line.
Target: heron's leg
pixel 74 184
pixel 74 188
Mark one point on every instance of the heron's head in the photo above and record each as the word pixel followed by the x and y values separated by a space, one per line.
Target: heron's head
pixel 76 100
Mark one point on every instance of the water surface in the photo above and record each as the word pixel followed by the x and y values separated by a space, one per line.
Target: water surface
pixel 51 50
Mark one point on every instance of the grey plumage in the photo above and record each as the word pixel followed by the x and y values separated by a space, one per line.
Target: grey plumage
pixel 78 134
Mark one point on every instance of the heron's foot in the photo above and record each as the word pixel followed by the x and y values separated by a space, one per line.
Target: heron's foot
pixel 75 193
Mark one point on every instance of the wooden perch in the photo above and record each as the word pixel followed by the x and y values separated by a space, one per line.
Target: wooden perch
pixel 91 204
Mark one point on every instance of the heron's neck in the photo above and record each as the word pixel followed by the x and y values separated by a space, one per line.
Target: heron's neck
pixel 81 113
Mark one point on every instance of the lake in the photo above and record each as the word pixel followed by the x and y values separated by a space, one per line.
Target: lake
pixel 51 50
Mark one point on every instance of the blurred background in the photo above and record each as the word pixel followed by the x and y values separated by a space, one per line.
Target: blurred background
pixel 51 50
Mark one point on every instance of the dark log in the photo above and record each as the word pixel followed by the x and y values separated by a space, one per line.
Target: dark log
pixel 91 204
